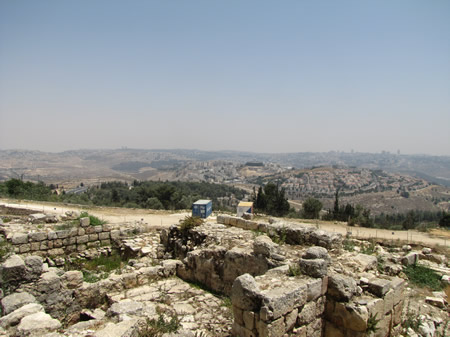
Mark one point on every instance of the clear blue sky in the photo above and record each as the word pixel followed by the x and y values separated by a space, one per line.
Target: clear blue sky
pixel 264 76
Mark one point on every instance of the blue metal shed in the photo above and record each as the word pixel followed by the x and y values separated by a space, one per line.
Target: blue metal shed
pixel 202 208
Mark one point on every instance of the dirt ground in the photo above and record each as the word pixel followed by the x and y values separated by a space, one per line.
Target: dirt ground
pixel 160 219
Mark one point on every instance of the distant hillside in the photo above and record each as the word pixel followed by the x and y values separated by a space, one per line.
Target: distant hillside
pixel 121 164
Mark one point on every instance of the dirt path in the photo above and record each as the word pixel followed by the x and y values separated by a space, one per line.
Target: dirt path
pixel 113 215
pixel 160 219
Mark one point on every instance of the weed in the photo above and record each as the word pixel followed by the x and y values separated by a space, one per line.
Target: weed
pixel 372 323
pixel 190 222
pixel 257 232
pixel 280 236
pixel 423 276
pixel 161 325
pixel 368 250
pixel 6 219
pixel 412 321
pixel 294 270
pixel 348 245
pixel 226 302
pixel 380 264
pixel 5 249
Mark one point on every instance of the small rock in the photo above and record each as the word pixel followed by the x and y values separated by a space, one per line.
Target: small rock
pixel 435 301
pixel 36 324
pixel 426 250
pixel 15 301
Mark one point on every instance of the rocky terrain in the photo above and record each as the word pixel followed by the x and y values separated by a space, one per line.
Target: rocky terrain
pixel 226 277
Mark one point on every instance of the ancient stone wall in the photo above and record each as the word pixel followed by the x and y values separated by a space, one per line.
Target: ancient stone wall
pixel 60 242
pixel 295 234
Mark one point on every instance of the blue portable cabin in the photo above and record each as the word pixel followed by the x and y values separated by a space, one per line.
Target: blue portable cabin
pixel 202 208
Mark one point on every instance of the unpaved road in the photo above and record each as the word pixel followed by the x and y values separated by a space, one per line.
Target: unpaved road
pixel 160 219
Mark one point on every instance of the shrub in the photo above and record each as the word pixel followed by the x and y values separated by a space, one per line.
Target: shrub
pixel 93 220
pixel 161 325
pixel 190 222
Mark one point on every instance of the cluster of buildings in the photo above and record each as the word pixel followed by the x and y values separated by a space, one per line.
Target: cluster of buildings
pixel 324 182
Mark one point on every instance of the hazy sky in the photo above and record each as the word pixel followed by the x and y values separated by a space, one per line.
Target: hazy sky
pixel 265 76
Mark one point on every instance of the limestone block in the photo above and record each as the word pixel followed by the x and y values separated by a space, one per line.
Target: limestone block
pixel 300 331
pixel 365 262
pixel 264 245
pixel 81 231
pixel 291 319
pixel 398 285
pixel 93 237
pixel 341 288
pixel 126 306
pixel 233 221
pixel 24 248
pixel 307 313
pixel 115 234
pixel 315 267
pixel 43 245
pixel 52 235
pixel 283 299
pixel 37 236
pixel 435 301
pixel 314 329
pixel 106 228
pixel 105 243
pixel 35 246
pixel 320 305
pixel 14 317
pixel 238 315
pixel 98 229
pixel 81 247
pixel 397 313
pixel 379 287
pixel 411 258
pixel 332 331
pixel 384 326
pixel 350 316
pixel 56 252
pixel 103 236
pixel 74 232
pixel 57 243
pixel 85 222
pixel 316 253
pixel 19 238
pixel 244 293
pixel 71 248
pixel 15 301
pixel 376 307
pixel 249 319
pixel 34 266
pixel 63 234
pixel 37 324
pixel 73 279
pixel 82 239
pixel 314 289
pixel 93 244
pixel 240 331
pixel 49 244
pixel 389 301
pixel 276 328
pixel 89 230
pixel 13 270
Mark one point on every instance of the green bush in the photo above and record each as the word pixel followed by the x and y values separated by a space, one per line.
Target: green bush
pixel 93 220
pixel 190 222
pixel 423 276
pixel 161 325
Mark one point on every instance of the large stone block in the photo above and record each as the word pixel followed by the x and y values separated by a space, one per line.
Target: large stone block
pixel 350 316
pixel 249 319
pixel 15 301
pixel 244 293
pixel 341 288
pixel 37 236
pixel 63 234
pixel 82 239
pixel 284 298
pixel 379 287
pixel 103 236
pixel 85 222
pixel 19 238
pixel 307 313
pixel 315 268
pixel 25 248
pixel 276 328
pixel 37 324
pixel 291 319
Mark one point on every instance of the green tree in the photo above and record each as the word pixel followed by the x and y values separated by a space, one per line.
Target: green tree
pixel 445 220
pixel 311 208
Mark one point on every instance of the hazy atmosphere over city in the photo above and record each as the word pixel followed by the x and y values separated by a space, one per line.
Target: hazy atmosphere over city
pixel 263 76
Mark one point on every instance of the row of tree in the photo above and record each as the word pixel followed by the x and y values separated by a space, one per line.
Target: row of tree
pixel 146 194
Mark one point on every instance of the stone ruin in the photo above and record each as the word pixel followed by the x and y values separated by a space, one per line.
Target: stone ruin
pixel 304 285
